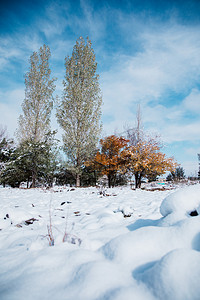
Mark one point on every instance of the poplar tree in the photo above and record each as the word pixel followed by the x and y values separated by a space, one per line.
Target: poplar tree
pixel 79 110
pixel 34 123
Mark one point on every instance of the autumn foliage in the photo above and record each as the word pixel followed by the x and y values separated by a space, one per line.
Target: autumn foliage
pixel 108 160
pixel 141 159
pixel 144 159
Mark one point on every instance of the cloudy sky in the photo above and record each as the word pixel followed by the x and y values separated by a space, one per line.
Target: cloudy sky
pixel 148 53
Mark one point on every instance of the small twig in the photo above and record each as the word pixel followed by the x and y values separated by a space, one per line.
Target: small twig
pixel 49 227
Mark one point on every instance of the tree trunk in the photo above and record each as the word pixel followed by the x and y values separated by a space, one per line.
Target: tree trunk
pixel 95 178
pixel 34 178
pixel 109 180
pixel 78 181
pixel 138 179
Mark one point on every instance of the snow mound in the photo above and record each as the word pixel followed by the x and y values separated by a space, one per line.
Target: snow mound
pixel 183 201
pixel 141 256
pixel 150 243
pixel 174 276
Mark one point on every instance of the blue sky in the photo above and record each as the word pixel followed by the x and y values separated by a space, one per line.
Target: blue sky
pixel 148 52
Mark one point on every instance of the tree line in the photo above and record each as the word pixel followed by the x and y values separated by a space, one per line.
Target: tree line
pixel 35 158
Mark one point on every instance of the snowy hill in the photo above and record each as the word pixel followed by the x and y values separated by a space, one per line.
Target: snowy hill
pixel 125 245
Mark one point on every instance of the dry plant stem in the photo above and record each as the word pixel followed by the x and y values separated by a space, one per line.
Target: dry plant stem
pixel 65 232
pixel 67 235
pixel 49 227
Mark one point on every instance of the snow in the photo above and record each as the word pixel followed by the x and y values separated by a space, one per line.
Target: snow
pixel 179 205
pixel 125 245
pixel 174 276
pixel 185 200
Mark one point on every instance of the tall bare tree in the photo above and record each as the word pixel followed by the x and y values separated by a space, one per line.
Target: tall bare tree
pixel 134 135
pixel 79 110
pixel 143 158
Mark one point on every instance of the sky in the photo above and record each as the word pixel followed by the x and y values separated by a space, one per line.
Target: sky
pixel 148 54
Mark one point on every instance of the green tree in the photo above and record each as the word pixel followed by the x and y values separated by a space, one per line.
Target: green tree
pixel 34 123
pixel 177 175
pixel 79 110
pixel 6 149
pixel 15 169
pixel 64 175
pixel 28 155
pixel 5 146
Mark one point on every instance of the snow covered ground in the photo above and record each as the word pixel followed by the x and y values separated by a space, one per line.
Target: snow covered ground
pixel 125 245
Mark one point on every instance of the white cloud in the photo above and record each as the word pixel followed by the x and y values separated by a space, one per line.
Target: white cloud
pixel 168 61
pixel 10 109
pixel 193 150
pixel 93 21
pixel 8 51
pixel 18 48
pixel 182 132
pixel 192 101
pixel 55 20
pixel 170 124
pixel 191 168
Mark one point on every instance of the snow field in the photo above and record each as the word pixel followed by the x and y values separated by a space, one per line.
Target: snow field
pixel 133 244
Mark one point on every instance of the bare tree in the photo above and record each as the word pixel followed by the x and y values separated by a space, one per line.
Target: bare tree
pixel 144 158
pixel 134 135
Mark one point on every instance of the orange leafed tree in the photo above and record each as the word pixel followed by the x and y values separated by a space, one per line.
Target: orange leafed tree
pixel 108 160
pixel 144 159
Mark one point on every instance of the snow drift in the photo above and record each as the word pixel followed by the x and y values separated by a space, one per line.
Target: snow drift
pixel 134 244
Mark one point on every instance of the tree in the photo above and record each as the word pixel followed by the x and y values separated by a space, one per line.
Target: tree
pixel 89 176
pixel 25 157
pixel 177 175
pixel 34 123
pixel 145 159
pixel 169 177
pixel 152 177
pixel 79 110
pixel 15 171
pixel 5 146
pixel 108 160
pixel 136 134
pixel 6 149
pixel 64 175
